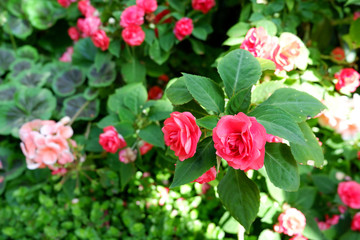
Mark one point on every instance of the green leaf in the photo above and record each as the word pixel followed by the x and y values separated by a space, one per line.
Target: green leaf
pixel 302 199
pixel 108 121
pixel 20 28
pixel 7 57
pixel 355 31
pixel 239 70
pixel 299 105
pixel 91 93
pixel 324 183
pixel 157 54
pixel 240 196
pixel 310 153
pixel 30 104
pixel 206 92
pixel 238 30
pixel 208 122
pixel 197 46
pixel 160 110
pixel 32 78
pixel 89 109
pixel 14 6
pixel 268 25
pixel 264 90
pixel 133 72
pixel 28 52
pixel 19 66
pixel 353 2
pixel 7 92
pixel 153 135
pixel 266 64
pixel 115 48
pixel 177 5
pixel 84 53
pixel 190 169
pixel 240 102
pixel 192 107
pixel 66 82
pixel 43 13
pixel 167 41
pixel 350 235
pixel 127 172
pixel 269 235
pixel 177 92
pixel 200 33
pixel 278 123
pixel 281 167
pixel 102 77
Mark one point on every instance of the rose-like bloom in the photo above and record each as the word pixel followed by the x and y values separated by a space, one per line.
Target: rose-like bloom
pixel 89 25
pixel 356 15
pixel 67 56
pixel 133 35
pixel 111 140
pixel 203 5
pixel 155 93
pixel 240 140
pixel 65 3
pixel 291 222
pixel 208 176
pixel 100 39
pixel 127 155
pixel 183 28
pixel 349 193
pixel 86 8
pixel 144 147
pixel 132 15
pixel 348 80
pixel 74 33
pixel 148 6
pixel 355 223
pixel 259 43
pixel 338 54
pixel 298 237
pixel 182 134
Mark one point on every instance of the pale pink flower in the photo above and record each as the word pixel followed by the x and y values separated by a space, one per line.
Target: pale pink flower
pixel 89 25
pixel 67 56
pixel 127 155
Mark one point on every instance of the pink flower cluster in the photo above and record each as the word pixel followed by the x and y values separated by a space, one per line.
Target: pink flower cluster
pixel 239 139
pixel 349 193
pixel 183 28
pixel 292 222
pixel 329 221
pixel 287 51
pixel 203 5
pixel 342 115
pixel 348 80
pixel 47 143
pixel 132 18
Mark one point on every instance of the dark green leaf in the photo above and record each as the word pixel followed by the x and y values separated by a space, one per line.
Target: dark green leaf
pixel 89 109
pixel 153 135
pixel 239 70
pixel 240 196
pixel 84 53
pixel 240 102
pixel 200 33
pixel 192 168
pixel 192 107
pixel 208 122
pixel 350 235
pixel 19 66
pixel 7 92
pixel 157 54
pixel 281 167
pixel 324 183
pixel 206 92
pixel 28 52
pixel 133 72
pixel 160 110
pixel 103 77
pixel 197 46
pixel 127 171
pixel 32 78
pixel 115 48
pixel 7 57
pixel 167 41
pixel 355 31
pixel 20 28
pixel 178 93
pixel 66 82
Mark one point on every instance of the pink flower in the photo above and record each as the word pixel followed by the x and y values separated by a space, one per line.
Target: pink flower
pixel 65 3
pixel 182 134
pixel 298 237
pixel 59 171
pixel 273 139
pixel 74 33
pixel 100 39
pixel 144 147
pixel 183 28
pixel 342 209
pixel 164 78
pixel 348 80
pixel 111 140
pixel 67 56
pixel 148 6
pixel 89 25
pixel 208 176
pixel 133 35
pixel 127 155
pixel 132 15
pixel 86 8
pixel 349 193
pixel 328 222
pixel 259 43
pixel 203 5
pixel 240 140
pixel 155 93
pixel 205 187
pixel 291 222
pixel 338 54
pixel 356 15
pixel 355 223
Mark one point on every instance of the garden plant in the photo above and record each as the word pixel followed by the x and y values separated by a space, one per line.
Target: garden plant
pixel 180 119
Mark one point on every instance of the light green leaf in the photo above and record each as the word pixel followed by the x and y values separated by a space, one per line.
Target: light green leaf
pixel 208 122
pixel 264 91
pixel 266 64
pixel 160 110
pixel 133 72
pixel 177 92
pixel 153 135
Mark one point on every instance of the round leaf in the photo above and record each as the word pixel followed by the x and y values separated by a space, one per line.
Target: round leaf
pixel 89 109
pixel 66 82
pixel 102 77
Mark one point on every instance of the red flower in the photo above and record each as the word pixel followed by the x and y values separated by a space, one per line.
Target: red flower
pixel 145 147
pixel 182 134
pixel 86 8
pixel 183 28
pixel 348 80
pixel 355 223
pixel 208 176
pixel 74 33
pixel 148 6
pixel 65 3
pixel 160 16
pixel 240 140
pixel 111 140
pixel 88 26
pixel 203 5
pixel 338 54
pixel 133 35
pixel 155 93
pixel 100 40
pixel 133 15
pixel 164 78
pixel 349 193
